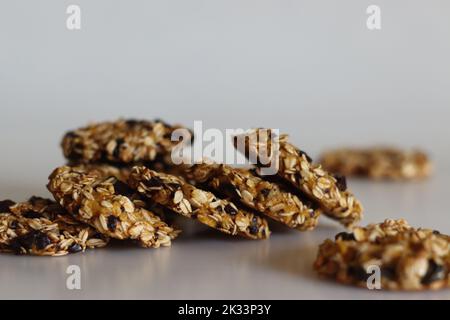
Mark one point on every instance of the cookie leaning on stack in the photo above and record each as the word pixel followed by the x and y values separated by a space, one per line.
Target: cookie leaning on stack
pixel 296 168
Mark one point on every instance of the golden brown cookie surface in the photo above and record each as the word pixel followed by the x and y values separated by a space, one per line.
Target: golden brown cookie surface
pixel 183 198
pixel 268 198
pixel 378 163
pixel 296 168
pixel 408 258
pixel 42 227
pixel 122 142
pixel 108 205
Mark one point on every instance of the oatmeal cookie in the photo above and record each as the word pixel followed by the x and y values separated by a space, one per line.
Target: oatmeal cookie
pixel 296 168
pixel 108 205
pixel 42 227
pixel 378 163
pixel 408 258
pixel 122 141
pixel 183 198
pixel 243 186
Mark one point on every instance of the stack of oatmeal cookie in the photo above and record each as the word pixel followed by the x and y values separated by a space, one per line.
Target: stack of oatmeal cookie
pixel 120 182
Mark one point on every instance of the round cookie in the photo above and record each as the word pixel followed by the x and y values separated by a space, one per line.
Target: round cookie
pixel 378 163
pixel 408 258
pixel 120 142
pixel 108 205
pixel 42 227
pixel 175 194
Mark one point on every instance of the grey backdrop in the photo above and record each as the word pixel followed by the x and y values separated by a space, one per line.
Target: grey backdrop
pixel 310 68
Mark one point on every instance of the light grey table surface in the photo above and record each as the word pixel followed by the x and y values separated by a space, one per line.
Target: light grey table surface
pixel 310 68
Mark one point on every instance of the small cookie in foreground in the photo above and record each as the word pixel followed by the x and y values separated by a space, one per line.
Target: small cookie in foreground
pixel 296 168
pixel 378 163
pixel 122 141
pixel 42 227
pixel 175 194
pixel 243 186
pixel 108 205
pixel 409 258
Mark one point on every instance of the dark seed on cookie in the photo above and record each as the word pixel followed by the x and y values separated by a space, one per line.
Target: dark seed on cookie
pixel 32 215
pixel 13 224
pixel 303 153
pixel 254 229
pixel 434 273
pixel 5 205
pixel 35 200
pixel 112 223
pixel 132 122
pixel 123 189
pixel 346 236
pixel 119 143
pixel 42 241
pixel 55 209
pixel 26 241
pixel 341 182
pixel 229 209
pixel 358 273
pixel 265 192
pixel 74 248
pixel 154 182
pixel 228 189
pixel 389 273
pixel 174 186
pixel 71 134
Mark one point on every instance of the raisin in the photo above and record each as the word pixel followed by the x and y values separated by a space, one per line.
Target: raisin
pixel 71 135
pixel 254 229
pixel 358 273
pixel 228 189
pixel 41 240
pixel 345 236
pixel 132 122
pixel 123 189
pixel 154 182
pixel 55 209
pixel 229 209
pixel 74 248
pixel 302 153
pixel 32 214
pixel 341 182
pixel 5 206
pixel 112 223
pixel 389 273
pixel 434 273
pixel 28 240
pixel 39 201
pixel 14 224
pixel 119 143
pixel 265 192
